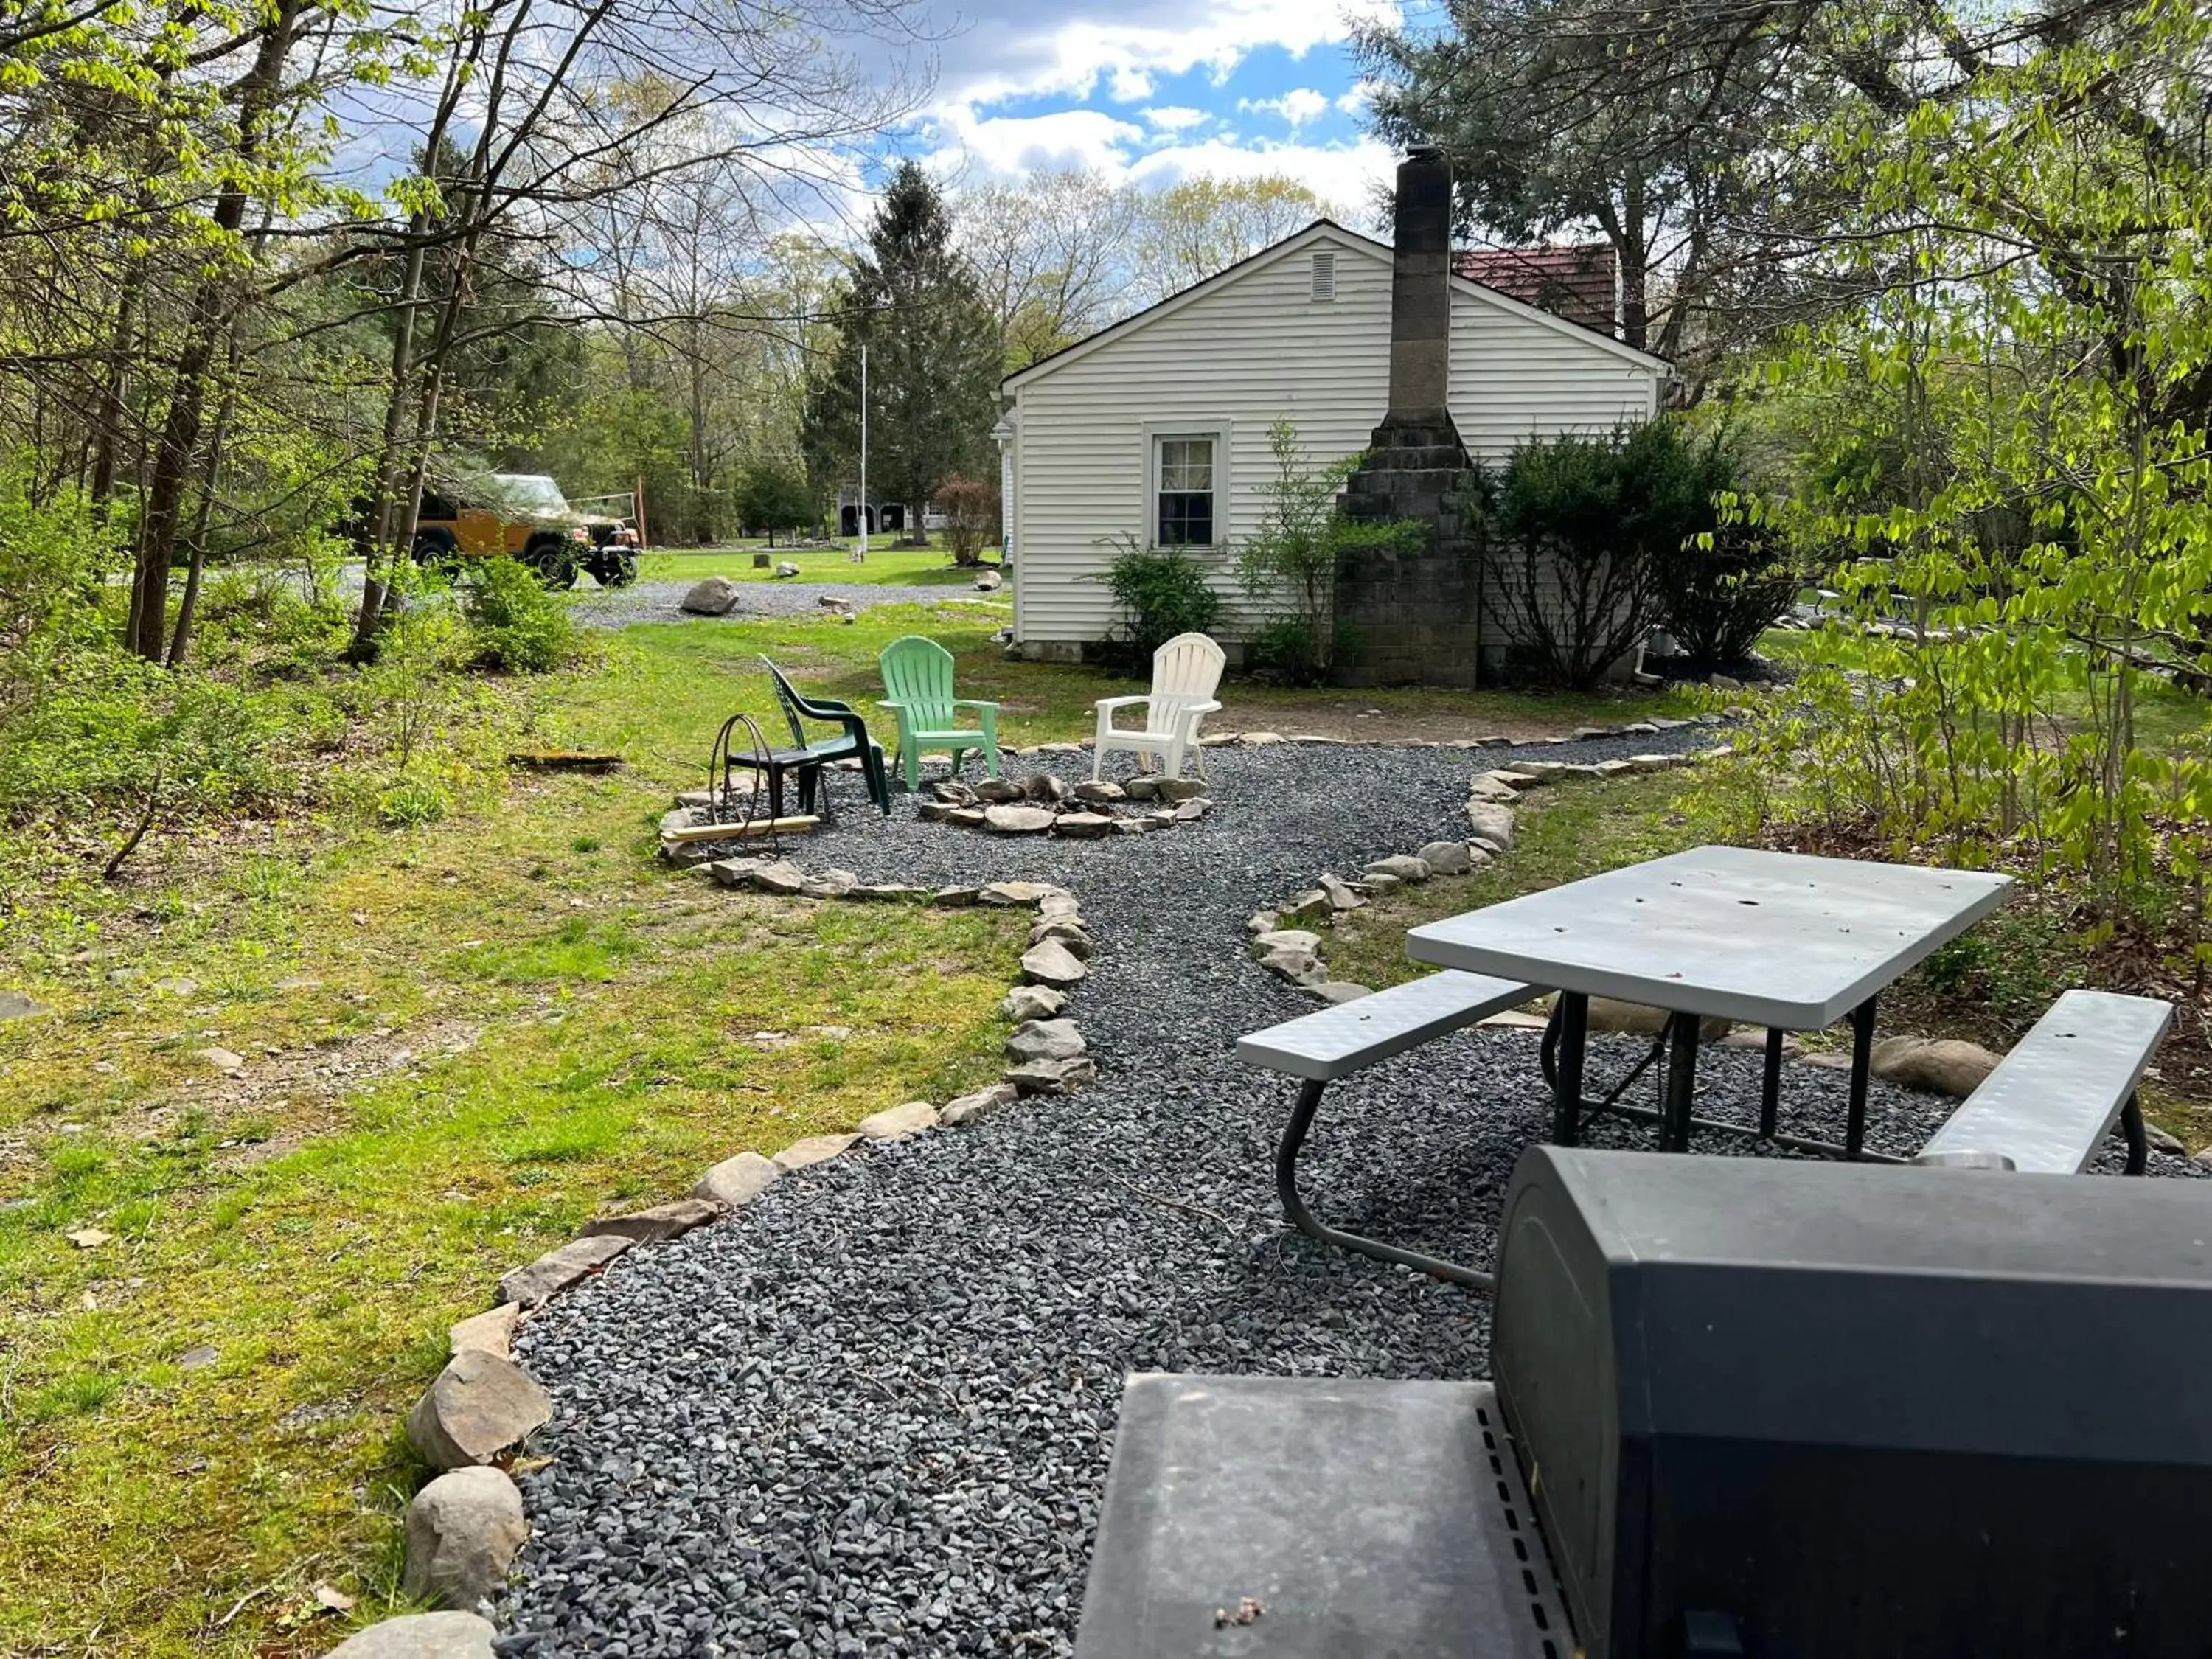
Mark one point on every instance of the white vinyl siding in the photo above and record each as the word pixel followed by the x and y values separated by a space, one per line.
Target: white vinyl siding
pixel 1233 357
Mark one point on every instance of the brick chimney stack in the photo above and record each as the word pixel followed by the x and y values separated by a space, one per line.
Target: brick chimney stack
pixel 1420 292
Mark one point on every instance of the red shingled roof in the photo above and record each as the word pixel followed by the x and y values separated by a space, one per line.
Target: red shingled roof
pixel 1575 282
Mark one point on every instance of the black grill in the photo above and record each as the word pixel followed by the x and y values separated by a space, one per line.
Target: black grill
pixel 1804 1410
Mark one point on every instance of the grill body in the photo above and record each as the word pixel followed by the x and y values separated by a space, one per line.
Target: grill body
pixel 1843 1411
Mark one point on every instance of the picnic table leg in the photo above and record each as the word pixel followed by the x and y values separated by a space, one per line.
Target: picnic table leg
pixel 1681 1082
pixel 1294 1206
pixel 1567 1038
pixel 1861 1064
pixel 2131 1125
pixel 1769 1093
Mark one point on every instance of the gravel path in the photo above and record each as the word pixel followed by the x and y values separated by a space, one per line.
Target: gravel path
pixel 872 1416
pixel 658 602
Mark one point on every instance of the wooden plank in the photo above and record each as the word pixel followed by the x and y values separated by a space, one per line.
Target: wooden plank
pixel 738 831
pixel 566 759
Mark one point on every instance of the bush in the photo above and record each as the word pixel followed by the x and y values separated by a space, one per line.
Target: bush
pixel 1586 541
pixel 1161 593
pixel 513 623
pixel 1723 592
pixel 971 518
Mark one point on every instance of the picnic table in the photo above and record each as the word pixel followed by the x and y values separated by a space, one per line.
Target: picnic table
pixel 1785 940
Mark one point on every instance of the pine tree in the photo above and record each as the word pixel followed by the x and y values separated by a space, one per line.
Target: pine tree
pixel 933 358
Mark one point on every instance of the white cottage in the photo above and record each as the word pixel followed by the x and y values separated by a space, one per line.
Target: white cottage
pixel 1157 428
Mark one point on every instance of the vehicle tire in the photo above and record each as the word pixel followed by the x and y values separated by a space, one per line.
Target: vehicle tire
pixel 435 549
pixel 550 556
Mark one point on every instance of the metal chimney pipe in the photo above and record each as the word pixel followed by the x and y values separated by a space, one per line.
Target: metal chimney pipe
pixel 1420 292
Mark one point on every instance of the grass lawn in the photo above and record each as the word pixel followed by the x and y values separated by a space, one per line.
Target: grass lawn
pixel 458 1042
pixel 886 566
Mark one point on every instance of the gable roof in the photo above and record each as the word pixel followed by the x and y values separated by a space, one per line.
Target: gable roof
pixel 1320 230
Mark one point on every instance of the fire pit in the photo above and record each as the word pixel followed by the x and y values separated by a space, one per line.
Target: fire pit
pixel 1042 804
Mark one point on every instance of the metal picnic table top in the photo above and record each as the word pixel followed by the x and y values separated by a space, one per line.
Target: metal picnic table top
pixel 1782 939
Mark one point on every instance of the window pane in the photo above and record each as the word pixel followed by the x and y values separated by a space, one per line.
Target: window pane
pixel 1186 463
pixel 1186 519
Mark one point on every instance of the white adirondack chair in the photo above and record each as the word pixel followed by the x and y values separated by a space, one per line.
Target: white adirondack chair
pixel 1186 672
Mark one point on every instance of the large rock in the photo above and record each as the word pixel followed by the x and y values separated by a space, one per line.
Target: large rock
pixel 1057 903
pixel 1312 904
pixel 491 1332
pixel 1492 824
pixel 1286 938
pixel 1052 963
pixel 1045 789
pixel 1483 790
pixel 829 883
pixel 1341 897
pixel 661 1221
pixel 1068 931
pixel 998 789
pixel 1446 857
pixel 463 1531
pixel 1635 1019
pixel 1083 826
pixel 1940 1066
pixel 952 792
pixel 1403 866
pixel 1179 789
pixel 736 1181
pixel 1099 792
pixel 1018 820
pixel 1052 1077
pixel 1299 966
pixel 557 1270
pixel 1015 894
pixel 1045 1039
pixel 989 582
pixel 717 596
pixel 480 1406
pixel 980 1104
pixel 814 1149
pixel 897 1122
pixel 420 1636
pixel 1027 1002
pixel 786 570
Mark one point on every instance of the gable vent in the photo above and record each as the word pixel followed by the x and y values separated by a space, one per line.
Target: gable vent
pixel 1324 274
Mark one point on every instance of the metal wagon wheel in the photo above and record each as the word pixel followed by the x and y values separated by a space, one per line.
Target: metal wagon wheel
pixel 722 806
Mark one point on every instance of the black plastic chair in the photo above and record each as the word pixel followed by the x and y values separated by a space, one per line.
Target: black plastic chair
pixel 852 743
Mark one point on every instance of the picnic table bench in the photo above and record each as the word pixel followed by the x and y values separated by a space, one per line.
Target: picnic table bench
pixel 2053 1100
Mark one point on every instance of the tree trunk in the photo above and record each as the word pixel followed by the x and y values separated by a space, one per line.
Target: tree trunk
pixel 212 308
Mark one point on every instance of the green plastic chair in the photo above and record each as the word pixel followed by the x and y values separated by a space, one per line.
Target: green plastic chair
pixel 918 679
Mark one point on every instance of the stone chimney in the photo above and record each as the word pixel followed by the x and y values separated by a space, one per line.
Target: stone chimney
pixel 1413 616
pixel 1420 293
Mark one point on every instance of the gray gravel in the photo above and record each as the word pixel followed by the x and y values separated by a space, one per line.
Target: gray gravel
pixel 872 1415
pixel 658 602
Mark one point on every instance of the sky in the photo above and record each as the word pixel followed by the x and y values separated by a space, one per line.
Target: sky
pixel 1154 91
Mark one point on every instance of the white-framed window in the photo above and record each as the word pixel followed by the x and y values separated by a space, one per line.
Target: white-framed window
pixel 1186 495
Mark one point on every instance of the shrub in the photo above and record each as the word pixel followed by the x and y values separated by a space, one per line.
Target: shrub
pixel 971 518
pixel 1161 593
pixel 1584 540
pixel 513 623
pixel 411 802
pixel 1723 590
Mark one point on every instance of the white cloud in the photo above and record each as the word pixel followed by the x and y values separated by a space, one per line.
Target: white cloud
pixel 1354 101
pixel 1007 145
pixel 1344 176
pixel 1297 106
pixel 1130 86
pixel 1003 54
pixel 1175 118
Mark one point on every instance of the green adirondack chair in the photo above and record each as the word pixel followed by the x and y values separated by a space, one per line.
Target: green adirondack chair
pixel 918 677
